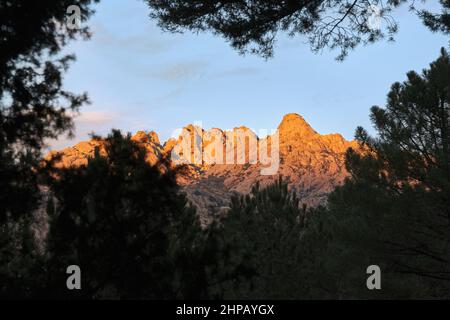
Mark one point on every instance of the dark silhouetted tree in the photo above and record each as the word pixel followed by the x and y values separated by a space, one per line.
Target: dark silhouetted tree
pixel 258 251
pixel 252 25
pixel 33 107
pixel 394 210
pixel 438 22
pixel 33 104
pixel 125 225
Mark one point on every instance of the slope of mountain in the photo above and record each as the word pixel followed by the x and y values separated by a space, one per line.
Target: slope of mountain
pixel 313 164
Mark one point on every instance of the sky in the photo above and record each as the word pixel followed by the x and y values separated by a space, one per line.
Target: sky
pixel 141 78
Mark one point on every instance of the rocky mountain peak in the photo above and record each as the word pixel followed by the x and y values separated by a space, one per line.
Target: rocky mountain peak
pixel 294 126
pixel 144 137
pixel 312 163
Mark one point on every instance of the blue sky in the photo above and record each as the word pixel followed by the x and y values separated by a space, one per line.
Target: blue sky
pixel 140 78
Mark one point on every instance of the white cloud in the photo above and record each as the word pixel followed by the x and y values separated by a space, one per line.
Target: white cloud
pixel 96 118
pixel 142 43
pixel 180 71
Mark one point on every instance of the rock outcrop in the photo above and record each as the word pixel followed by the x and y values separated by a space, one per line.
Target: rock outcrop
pixel 221 163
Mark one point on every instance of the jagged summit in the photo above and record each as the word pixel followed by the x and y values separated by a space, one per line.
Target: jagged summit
pixel 292 117
pixel 312 163
pixel 293 125
pixel 142 136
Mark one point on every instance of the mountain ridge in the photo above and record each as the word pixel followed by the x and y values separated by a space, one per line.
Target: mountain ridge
pixel 312 164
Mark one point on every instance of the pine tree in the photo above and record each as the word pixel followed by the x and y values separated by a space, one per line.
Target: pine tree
pixel 254 25
pixel 34 106
pixel 124 223
pixel 259 251
pixel 394 209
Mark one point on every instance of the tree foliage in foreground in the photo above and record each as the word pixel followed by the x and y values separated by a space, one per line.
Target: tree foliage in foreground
pixel 253 25
pixel 124 223
pixel 394 211
pixel 34 106
pixel 128 228
pixel 258 250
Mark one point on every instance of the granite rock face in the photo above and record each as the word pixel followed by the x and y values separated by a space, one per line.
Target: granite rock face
pixel 221 163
